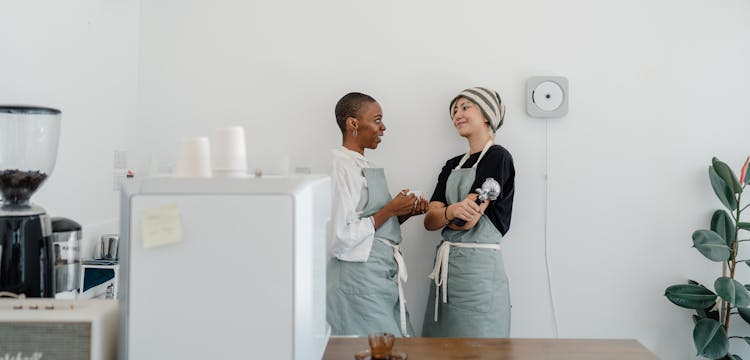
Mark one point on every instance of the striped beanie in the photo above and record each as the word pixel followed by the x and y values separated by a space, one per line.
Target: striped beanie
pixel 487 100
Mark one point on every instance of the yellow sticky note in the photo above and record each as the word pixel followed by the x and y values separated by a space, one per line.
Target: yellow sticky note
pixel 161 226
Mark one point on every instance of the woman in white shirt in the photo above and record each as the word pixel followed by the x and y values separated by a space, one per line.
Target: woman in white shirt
pixel 366 271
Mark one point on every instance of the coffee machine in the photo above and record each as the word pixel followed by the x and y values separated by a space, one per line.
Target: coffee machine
pixel 28 148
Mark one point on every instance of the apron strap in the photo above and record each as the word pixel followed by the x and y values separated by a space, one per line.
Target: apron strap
pixel 440 272
pixel 468 153
pixel 402 277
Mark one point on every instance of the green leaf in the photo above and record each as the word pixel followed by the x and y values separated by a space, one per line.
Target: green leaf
pixel 722 224
pixel 744 225
pixel 710 339
pixel 732 290
pixel 690 296
pixel 711 245
pixel 726 174
pixel 722 190
pixel 744 313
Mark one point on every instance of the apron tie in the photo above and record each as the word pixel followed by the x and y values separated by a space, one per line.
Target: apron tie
pixel 402 277
pixel 440 272
pixel 468 153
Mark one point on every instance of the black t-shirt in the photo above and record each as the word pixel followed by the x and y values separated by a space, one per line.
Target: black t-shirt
pixel 497 163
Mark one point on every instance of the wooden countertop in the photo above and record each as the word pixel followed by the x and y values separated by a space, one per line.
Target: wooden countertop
pixel 340 348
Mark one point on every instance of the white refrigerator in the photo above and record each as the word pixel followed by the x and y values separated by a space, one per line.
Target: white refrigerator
pixel 223 268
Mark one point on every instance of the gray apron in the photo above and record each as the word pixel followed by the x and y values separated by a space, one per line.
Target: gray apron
pixel 469 296
pixel 367 297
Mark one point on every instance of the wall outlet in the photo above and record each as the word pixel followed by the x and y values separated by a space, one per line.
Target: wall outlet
pixel 120 169
pixel 120 161
pixel 118 178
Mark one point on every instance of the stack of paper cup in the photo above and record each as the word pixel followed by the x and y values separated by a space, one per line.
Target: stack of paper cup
pixel 418 195
pixel 229 152
pixel 194 159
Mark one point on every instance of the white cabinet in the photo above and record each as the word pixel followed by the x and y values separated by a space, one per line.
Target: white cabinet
pixel 246 278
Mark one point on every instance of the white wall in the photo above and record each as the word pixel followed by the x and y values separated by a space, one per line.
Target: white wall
pixel 79 57
pixel 657 89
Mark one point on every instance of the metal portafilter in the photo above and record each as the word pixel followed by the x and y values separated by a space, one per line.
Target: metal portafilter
pixel 490 191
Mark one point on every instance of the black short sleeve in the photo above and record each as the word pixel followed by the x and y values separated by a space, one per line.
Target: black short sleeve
pixel 497 163
pixel 439 193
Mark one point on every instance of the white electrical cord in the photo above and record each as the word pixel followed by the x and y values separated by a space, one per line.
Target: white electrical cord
pixel 546 234
pixel 12 295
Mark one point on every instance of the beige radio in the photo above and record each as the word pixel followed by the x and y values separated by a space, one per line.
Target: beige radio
pixel 41 329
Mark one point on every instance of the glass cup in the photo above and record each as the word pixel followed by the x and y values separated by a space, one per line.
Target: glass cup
pixel 108 246
pixel 381 345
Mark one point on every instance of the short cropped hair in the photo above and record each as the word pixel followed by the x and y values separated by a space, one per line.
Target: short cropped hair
pixel 349 106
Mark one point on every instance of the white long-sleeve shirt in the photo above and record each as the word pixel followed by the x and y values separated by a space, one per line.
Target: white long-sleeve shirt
pixel 352 237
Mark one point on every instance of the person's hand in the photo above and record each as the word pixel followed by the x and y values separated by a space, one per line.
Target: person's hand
pixel 465 209
pixel 420 206
pixel 402 204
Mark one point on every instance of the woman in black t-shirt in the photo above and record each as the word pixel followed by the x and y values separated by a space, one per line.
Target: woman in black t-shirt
pixel 469 296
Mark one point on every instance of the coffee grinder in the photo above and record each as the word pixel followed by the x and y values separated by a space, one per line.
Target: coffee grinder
pixel 28 149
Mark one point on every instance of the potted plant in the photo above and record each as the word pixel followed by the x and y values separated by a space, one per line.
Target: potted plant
pixel 714 309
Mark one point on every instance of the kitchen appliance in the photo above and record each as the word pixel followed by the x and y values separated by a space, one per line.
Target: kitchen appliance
pixel 224 268
pixel 67 236
pixel 99 279
pixel 28 149
pixel 58 329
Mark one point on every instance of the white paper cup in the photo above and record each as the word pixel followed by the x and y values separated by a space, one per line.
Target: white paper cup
pixel 418 195
pixel 194 159
pixel 229 152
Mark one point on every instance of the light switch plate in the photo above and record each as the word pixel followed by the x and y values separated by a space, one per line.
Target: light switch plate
pixel 547 96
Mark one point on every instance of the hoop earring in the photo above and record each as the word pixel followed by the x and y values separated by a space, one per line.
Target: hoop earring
pixel 354 133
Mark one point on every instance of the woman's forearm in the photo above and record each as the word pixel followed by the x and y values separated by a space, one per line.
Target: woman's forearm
pixel 440 215
pixel 382 216
pixel 473 222
pixel 436 216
